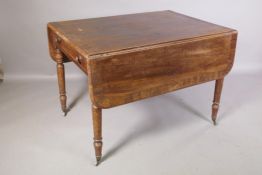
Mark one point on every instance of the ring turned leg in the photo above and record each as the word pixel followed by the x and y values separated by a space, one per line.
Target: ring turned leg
pixel 216 101
pixel 97 127
pixel 61 84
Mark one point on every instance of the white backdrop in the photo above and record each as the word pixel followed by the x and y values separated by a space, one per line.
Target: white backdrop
pixel 23 38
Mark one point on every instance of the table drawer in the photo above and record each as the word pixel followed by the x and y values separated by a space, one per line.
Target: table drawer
pixel 69 52
pixel 73 55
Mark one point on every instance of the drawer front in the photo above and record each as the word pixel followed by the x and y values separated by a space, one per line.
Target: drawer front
pixel 117 79
pixel 74 56
pixel 68 51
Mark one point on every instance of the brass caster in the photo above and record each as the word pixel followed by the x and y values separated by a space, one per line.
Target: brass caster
pixel 98 160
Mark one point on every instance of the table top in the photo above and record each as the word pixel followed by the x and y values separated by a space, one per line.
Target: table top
pixel 111 34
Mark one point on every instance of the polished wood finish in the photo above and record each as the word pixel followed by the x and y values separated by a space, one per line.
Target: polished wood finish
pixel 117 33
pixel 216 100
pixel 136 56
pixel 61 85
pixel 59 58
pixel 158 70
pixel 97 127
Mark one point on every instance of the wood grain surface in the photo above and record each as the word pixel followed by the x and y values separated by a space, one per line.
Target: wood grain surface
pixel 109 34
pixel 123 78
pixel 132 57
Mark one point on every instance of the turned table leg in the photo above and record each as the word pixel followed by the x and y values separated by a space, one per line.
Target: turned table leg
pixel 97 127
pixel 61 84
pixel 216 100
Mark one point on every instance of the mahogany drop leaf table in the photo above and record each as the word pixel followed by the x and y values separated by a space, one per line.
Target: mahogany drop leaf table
pixel 136 56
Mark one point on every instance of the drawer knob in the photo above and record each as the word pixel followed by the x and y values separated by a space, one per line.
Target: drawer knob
pixel 79 59
pixel 58 40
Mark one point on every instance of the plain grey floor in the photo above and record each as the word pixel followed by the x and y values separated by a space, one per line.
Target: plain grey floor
pixel 168 134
